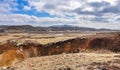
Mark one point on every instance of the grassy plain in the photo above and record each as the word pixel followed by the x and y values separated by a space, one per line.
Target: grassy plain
pixel 40 38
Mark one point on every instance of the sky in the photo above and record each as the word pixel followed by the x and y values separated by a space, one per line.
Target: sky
pixel 85 13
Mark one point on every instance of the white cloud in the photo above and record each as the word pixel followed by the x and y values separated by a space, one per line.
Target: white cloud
pixel 38 4
pixel 65 7
pixel 90 9
pixel 56 7
pixel 6 6
pixel 17 19
pixel 27 8
pixel 112 2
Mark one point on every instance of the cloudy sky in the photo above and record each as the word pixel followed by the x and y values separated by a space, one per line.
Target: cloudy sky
pixel 87 13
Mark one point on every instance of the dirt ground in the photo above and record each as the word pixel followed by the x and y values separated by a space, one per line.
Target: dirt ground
pixel 76 61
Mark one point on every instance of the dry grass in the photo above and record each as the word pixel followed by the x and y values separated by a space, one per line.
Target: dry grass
pixel 10 57
pixel 77 61
pixel 40 38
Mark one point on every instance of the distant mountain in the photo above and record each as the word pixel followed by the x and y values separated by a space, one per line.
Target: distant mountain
pixel 21 28
pixel 18 27
pixel 29 28
pixel 70 27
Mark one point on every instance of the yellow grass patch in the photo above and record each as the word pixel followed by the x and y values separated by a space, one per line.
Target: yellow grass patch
pixel 10 57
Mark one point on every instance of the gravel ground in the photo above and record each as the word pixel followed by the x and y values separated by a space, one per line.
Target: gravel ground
pixel 76 61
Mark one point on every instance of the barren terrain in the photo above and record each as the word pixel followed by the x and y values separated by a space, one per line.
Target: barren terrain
pixel 62 51
pixel 76 61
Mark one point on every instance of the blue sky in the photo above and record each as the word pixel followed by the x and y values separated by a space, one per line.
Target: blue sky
pixel 87 13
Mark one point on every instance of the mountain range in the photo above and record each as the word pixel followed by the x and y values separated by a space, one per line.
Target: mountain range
pixel 29 28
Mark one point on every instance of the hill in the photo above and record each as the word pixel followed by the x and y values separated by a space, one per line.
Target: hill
pixel 29 28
